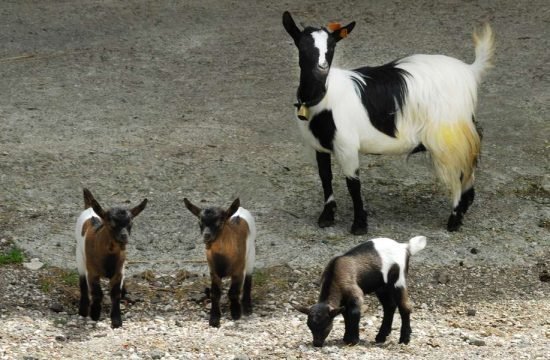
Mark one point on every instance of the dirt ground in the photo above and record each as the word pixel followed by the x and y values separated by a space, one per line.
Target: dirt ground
pixel 169 99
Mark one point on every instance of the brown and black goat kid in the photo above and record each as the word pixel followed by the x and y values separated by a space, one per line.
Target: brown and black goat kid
pixel 101 239
pixel 379 266
pixel 229 236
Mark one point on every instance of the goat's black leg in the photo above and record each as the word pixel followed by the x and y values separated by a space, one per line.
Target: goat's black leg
pixel 215 295
pixel 352 317
pixel 84 306
pixel 326 218
pixel 455 220
pixel 401 297
pixel 388 304
pixel 247 297
pixel 359 226
pixel 234 295
pixel 116 295
pixel 97 298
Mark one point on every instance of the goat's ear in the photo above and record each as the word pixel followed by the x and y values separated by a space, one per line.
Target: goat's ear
pixel 334 312
pixel 301 308
pixel 136 210
pixel 341 32
pixel 88 198
pixel 194 209
pixel 98 209
pixel 234 207
pixel 290 27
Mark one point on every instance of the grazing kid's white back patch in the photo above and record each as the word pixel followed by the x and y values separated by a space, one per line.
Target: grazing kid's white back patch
pixel 320 40
pixel 391 252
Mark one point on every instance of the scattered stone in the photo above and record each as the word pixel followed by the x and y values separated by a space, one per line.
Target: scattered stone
pixel 156 354
pixel 60 338
pixel 475 341
pixel 56 307
pixel 544 276
pixel 474 251
pixel 471 312
pixel 34 265
pixel 442 277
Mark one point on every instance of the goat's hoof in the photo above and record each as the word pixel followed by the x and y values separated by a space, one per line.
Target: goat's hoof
pixel 326 219
pixel 247 311
pixel 361 229
pixel 214 322
pixel 116 323
pixel 454 223
pixel 380 339
pixel 351 341
pixel 404 340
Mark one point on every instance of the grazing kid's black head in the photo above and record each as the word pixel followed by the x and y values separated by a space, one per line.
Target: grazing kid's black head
pixel 316 51
pixel 211 219
pixel 319 320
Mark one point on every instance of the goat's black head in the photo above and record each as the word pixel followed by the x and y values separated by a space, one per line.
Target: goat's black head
pixel 117 220
pixel 319 320
pixel 211 219
pixel 316 50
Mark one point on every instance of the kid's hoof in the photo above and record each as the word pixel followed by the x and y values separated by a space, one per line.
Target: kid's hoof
pixel 380 339
pixel 214 322
pixel 359 229
pixel 404 340
pixel 116 323
pixel 351 341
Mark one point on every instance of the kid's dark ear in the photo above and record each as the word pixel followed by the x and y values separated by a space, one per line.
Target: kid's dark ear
pixel 301 308
pixel 98 209
pixel 194 209
pixel 88 198
pixel 340 32
pixel 234 207
pixel 290 27
pixel 334 312
pixel 136 210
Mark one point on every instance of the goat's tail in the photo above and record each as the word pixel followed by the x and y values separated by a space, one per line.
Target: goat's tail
pixel 88 198
pixel 416 244
pixel 484 41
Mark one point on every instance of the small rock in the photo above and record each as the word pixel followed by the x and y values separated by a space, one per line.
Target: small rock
pixel 474 251
pixel 156 354
pixel 35 264
pixel 476 341
pixel 442 278
pixel 56 307
pixel 471 312
pixel 241 357
pixel 61 337
pixel 544 276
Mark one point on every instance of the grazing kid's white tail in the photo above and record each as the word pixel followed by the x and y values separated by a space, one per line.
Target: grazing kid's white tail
pixel 484 41
pixel 416 244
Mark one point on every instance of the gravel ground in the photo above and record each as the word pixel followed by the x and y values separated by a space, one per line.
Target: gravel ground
pixel 194 98
pixel 456 315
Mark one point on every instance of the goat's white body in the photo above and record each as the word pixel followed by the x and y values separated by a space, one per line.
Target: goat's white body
pixel 392 252
pixel 250 239
pixel 441 90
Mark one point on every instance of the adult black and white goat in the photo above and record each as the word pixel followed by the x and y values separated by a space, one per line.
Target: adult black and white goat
pixel 417 103
pixel 229 236
pixel 379 266
pixel 101 239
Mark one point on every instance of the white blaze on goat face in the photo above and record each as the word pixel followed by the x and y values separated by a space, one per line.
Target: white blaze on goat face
pixel 320 41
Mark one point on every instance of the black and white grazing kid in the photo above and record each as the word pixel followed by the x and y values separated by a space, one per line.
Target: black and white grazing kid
pixel 378 265
pixel 417 103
